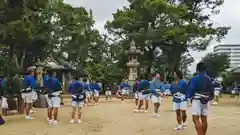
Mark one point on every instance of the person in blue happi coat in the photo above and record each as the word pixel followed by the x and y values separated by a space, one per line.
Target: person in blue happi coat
pixel 78 97
pixel 156 88
pixel 179 89
pixel 167 91
pixel 29 84
pixel 217 91
pixel 201 91
pixel 124 88
pixel 88 92
pixel 136 90
pixel 54 90
pixel 143 95
pixel 108 91
pixel 95 89
pixel 2 95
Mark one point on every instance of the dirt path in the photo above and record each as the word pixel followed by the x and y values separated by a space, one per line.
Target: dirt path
pixel 117 118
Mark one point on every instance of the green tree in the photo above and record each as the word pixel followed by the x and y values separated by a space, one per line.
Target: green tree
pixel 171 25
pixel 186 61
pixel 216 63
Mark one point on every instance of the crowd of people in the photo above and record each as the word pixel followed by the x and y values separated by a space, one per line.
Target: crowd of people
pixel 200 90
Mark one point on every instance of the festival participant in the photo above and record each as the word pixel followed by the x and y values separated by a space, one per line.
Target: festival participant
pixel 118 92
pixel 201 91
pixel 217 90
pixel 88 92
pixel 45 93
pixel 125 88
pixel 179 90
pixel 108 91
pixel 167 91
pixel 136 90
pixel 143 95
pixel 95 88
pixel 234 90
pixel 29 84
pixel 156 88
pixel 78 97
pixel 53 88
pixel 2 94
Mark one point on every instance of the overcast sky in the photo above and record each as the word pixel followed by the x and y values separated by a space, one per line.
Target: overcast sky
pixel 229 16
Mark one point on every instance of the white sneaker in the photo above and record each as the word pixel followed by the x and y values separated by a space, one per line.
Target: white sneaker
pixel 50 121
pixel 28 118
pixel 155 115
pixel 72 121
pixel 136 110
pixel 55 122
pixel 145 111
pixel 79 121
pixel 179 127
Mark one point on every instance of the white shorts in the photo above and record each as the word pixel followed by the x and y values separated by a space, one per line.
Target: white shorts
pixel 77 104
pixel 167 92
pixel 198 108
pixel 91 93
pixel 34 96
pixel 233 92
pixel 0 106
pixel 96 93
pixel 143 96
pixel 125 92
pixel 88 95
pixel 108 93
pixel 180 106
pixel 216 92
pixel 156 99
pixel 53 102
pixel 27 97
pixel 136 95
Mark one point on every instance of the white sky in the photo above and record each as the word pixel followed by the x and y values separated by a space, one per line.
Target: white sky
pixel 229 16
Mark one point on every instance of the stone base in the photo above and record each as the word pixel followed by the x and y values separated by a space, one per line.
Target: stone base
pixel 13 104
pixel 41 102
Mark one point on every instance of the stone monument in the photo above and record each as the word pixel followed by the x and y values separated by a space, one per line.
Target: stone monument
pixel 133 54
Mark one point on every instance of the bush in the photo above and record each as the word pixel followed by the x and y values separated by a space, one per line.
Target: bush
pixel 13 85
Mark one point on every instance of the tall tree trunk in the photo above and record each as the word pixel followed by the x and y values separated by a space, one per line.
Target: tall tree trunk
pixel 150 63
pixel 22 58
pixel 11 52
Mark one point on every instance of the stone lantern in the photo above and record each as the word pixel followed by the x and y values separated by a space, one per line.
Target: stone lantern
pixel 133 54
pixel 39 72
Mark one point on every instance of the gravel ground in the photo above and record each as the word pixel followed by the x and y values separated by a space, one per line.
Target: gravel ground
pixel 117 118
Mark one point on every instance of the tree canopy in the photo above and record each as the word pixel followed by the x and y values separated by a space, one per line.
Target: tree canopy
pixel 164 30
pixel 216 63
pixel 169 25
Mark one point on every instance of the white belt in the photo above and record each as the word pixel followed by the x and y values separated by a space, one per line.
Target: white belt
pixel 27 89
pixel 179 96
pixel 197 95
pixel 74 96
pixel 57 93
pixel 158 90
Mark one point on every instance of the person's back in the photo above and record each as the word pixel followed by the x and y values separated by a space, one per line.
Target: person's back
pixel 201 91
pixel 2 88
pixel 203 85
pixel 78 92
